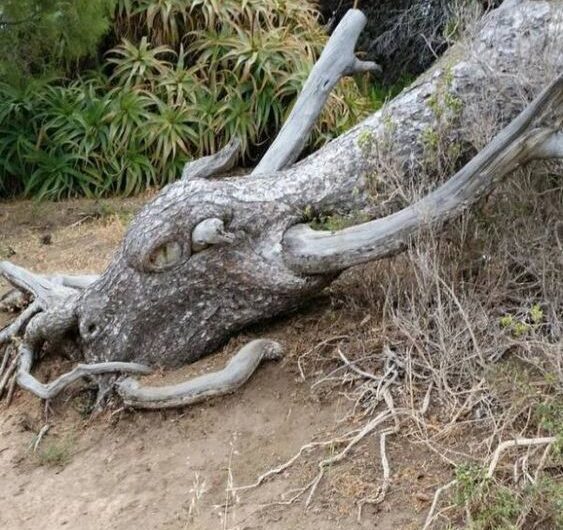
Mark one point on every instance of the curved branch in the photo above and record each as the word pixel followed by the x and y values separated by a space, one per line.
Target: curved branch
pixel 46 291
pixel 49 390
pixel 316 252
pixel 234 375
pixel 336 61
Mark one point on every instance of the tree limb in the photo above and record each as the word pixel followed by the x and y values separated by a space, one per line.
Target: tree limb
pixel 319 252
pixel 225 381
pixel 336 61
pixel 50 390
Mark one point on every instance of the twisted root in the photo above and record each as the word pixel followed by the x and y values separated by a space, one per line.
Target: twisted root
pixel 52 315
pixel 237 371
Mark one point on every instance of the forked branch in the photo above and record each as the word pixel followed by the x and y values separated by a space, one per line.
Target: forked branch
pixel 337 60
pixel 50 390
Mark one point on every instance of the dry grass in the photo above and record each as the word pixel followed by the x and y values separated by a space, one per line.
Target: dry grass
pixel 455 345
pixel 465 332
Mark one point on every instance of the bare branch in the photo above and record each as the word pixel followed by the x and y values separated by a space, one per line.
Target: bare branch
pixel 518 442
pixel 336 61
pixel 50 390
pixel 439 491
pixel 225 381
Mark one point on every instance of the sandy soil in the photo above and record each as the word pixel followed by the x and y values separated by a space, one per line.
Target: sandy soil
pixel 175 469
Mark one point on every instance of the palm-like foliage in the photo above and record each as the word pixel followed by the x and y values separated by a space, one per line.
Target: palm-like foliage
pixel 187 76
pixel 134 65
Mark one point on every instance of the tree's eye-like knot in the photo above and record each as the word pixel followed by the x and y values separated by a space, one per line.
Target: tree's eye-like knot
pixel 164 256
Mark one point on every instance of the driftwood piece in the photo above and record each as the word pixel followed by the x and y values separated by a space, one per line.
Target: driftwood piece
pixel 208 257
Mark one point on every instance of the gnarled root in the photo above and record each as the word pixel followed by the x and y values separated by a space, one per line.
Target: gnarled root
pixel 52 314
pixel 47 291
pixel 49 390
pixel 51 325
pixel 234 375
pixel 48 317
pixel 13 329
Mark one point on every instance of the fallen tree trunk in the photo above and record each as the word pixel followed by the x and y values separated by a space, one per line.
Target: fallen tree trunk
pixel 208 257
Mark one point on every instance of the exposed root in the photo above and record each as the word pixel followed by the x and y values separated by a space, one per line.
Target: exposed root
pixel 53 299
pixel 430 517
pixel 351 439
pixel 288 463
pixel 19 323
pixel 50 390
pixel 219 383
pixel 11 389
pixel 382 491
pixel 518 442
pixel 47 292
pixel 5 359
pixel 13 301
pixel 106 386
pixel 40 435
pixel 8 375
pixel 381 494
pixel 501 448
pixel 318 346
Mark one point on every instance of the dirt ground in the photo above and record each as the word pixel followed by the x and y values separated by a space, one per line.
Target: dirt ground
pixel 176 469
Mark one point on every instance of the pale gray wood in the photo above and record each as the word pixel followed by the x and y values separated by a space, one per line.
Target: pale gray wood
pixel 47 293
pixel 210 165
pixel 552 147
pixel 168 316
pixel 49 390
pixel 318 252
pixel 176 317
pixel 210 232
pixel 237 372
pixel 13 329
pixel 78 281
pixel 336 61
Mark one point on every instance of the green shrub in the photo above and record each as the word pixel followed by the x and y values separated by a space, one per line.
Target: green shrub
pixel 39 37
pixel 186 77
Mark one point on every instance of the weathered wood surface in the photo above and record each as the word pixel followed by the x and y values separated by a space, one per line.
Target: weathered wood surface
pixel 209 256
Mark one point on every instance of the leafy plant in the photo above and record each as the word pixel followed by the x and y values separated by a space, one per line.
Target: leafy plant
pixel 41 37
pixel 185 77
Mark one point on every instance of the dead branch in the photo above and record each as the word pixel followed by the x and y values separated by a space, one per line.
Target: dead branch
pixel 518 442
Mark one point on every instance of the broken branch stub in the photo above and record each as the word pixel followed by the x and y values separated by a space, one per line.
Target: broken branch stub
pixel 211 165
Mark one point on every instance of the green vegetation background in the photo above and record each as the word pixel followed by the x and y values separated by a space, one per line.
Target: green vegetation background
pixel 102 97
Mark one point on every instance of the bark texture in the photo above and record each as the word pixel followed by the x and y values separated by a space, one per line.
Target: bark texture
pixel 207 257
pixel 173 316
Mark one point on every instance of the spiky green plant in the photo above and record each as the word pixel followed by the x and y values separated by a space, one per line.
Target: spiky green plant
pixel 185 77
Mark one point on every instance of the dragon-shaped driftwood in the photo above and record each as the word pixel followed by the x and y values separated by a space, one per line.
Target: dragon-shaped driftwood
pixel 209 256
